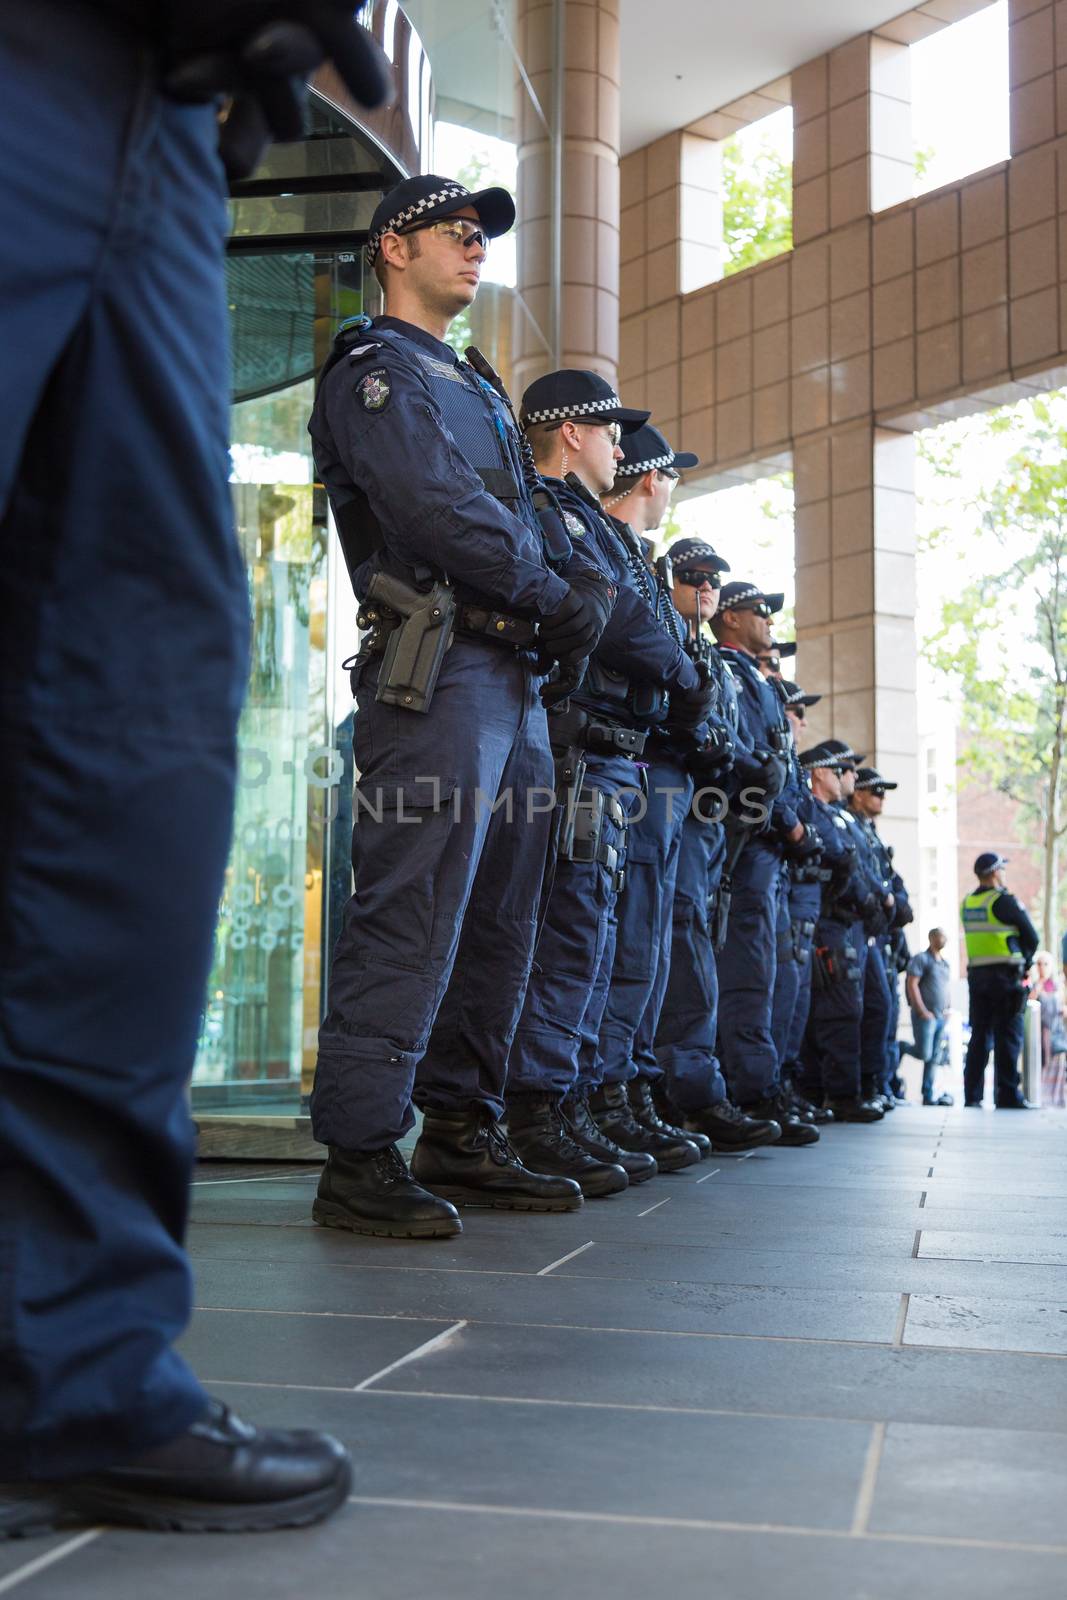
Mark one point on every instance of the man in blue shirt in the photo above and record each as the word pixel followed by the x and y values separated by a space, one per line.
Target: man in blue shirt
pixel 927 987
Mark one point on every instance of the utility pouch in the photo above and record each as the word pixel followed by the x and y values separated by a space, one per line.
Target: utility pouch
pixel 415 649
pixel 850 963
pixel 721 920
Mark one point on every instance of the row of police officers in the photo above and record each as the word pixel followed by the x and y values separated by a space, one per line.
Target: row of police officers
pixel 610 911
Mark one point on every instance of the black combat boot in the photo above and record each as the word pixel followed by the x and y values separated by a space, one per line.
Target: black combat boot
pixel 375 1193
pixel 540 1137
pixel 731 1130
pixel 610 1106
pixel 643 1104
pixel 465 1156
pixel 856 1110
pixel 637 1164
pixel 806 1109
pixel 779 1108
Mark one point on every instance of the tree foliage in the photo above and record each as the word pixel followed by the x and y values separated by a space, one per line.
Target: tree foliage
pixel 757 213
pixel 1003 636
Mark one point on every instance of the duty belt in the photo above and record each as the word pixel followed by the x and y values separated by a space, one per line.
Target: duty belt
pixel 472 622
pixel 576 729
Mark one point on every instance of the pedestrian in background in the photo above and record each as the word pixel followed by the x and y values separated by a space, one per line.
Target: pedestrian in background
pixel 927 988
pixel 1048 992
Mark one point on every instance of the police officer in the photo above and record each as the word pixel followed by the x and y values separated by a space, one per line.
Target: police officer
pixel 880 987
pixel 626 1066
pixel 692 1090
pixel 1001 943
pixel 868 800
pixel 443 536
pixel 574 421
pixel 124 649
pixel 830 1049
pixel 765 799
pixel 802 901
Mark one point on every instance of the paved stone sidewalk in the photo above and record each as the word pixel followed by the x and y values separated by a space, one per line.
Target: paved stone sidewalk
pixel 827 1374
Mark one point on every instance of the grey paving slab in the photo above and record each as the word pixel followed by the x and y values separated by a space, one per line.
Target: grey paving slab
pixel 527 1249
pixel 17 1553
pixel 993 1219
pixel 973 1483
pixel 1039 1248
pixel 980 1324
pixel 584 1458
pixel 271 1347
pixel 874 1382
pixel 900 1272
pixel 377 1552
pixel 683 1307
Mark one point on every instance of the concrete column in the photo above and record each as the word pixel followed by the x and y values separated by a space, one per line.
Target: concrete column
pixel 589 170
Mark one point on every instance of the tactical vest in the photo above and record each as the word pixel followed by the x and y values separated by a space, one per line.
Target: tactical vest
pixel 474 415
pixel 986 937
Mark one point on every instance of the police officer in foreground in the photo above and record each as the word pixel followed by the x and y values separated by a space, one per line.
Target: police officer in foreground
pixel 577 428
pixel 124 648
pixel 692 1091
pixel 762 824
pixel 458 557
pixel 1001 944
pixel 830 1049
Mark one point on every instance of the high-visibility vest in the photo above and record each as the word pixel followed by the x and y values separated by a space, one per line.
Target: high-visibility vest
pixel 985 935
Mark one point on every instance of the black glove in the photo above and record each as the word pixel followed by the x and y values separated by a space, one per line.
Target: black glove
pixel 715 759
pixel 690 707
pixel 561 684
pixel 902 914
pixel 571 632
pixel 260 53
pixel 809 848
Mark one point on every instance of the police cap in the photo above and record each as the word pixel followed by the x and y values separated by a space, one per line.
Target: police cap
pixel 847 755
pixel 785 650
pixel 988 862
pixel 688 553
pixel 870 779
pixel 429 198
pixel 820 755
pixel 746 596
pixel 646 450
pixel 575 395
pixel 795 696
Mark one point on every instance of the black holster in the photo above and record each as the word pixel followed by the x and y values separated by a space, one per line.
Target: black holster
pixel 418 628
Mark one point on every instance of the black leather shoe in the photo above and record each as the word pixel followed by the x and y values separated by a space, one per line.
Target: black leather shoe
pixel 939 1100
pixel 646 1112
pixel 376 1194
pixel 637 1164
pixel 857 1110
pixel 731 1130
pixel 612 1113
pixel 1022 1104
pixel 465 1156
pixel 221 1476
pixel 540 1138
pixel 777 1108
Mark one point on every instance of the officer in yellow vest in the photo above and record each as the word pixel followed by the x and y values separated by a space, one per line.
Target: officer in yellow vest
pixel 1001 941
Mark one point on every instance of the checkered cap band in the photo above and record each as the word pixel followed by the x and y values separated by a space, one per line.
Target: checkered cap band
pixel 451 191
pixel 565 413
pixel 810 762
pixel 750 593
pixel 634 469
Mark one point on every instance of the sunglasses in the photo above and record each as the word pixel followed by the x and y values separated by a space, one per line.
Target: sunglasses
pixel 798 712
pixel 614 428
pixel 773 662
pixel 453 228
pixel 761 609
pixel 696 577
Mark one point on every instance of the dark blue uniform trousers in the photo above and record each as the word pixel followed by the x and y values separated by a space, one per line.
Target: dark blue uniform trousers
pixel 747 965
pixel 877 1016
pixel 830 1051
pixel 685 1036
pixel 124 651
pixel 997 1025
pixel 798 914
pixel 570 950
pixel 453 818
pixel 642 949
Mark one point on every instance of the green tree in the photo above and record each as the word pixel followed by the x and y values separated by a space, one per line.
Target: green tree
pixel 1003 637
pixel 757 212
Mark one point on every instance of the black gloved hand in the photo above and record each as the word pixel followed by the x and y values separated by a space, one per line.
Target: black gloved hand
pixel 773 773
pixel 809 848
pixel 690 707
pixel 260 53
pixel 571 632
pixel 715 759
pixel 561 684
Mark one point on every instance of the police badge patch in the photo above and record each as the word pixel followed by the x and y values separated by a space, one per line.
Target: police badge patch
pixel 374 390
pixel 575 526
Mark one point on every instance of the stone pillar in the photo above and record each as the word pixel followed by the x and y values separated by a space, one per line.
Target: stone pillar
pixel 588 331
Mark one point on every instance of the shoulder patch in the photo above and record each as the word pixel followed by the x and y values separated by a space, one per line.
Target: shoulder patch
pixel 360 350
pixel 374 390
pixel 839 822
pixel 575 525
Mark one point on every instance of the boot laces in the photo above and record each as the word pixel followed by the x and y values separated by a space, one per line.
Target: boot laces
pixel 390 1166
pixel 499 1149
pixel 567 1145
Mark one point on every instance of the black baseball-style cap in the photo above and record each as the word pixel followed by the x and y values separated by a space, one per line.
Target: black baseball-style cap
pixel 743 596
pixel 646 450
pixel 989 861
pixel 688 552
pixel 870 778
pixel 575 395
pixel 785 650
pixel 429 198
pixel 795 696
